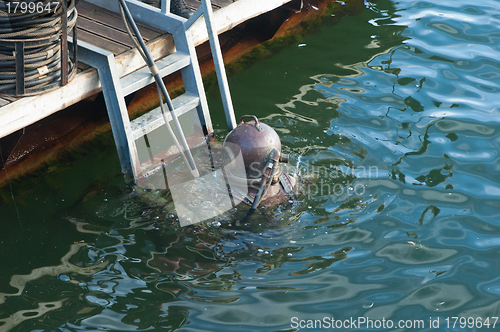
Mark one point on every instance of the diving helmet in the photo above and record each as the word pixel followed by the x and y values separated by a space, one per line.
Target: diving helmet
pixel 255 141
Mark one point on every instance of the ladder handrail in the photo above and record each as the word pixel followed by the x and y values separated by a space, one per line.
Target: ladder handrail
pixel 184 151
pixel 165 6
pixel 206 10
pixel 110 79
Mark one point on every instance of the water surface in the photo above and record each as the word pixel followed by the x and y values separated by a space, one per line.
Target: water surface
pixel 396 112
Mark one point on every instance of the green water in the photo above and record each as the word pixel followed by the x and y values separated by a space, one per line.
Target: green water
pixel 395 110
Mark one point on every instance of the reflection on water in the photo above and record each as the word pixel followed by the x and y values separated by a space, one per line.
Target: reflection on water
pixel 42 281
pixel 391 115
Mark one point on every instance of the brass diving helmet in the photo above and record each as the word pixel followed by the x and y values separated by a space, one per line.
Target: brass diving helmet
pixel 260 147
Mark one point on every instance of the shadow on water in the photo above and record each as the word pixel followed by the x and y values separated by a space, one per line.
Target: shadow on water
pixel 392 118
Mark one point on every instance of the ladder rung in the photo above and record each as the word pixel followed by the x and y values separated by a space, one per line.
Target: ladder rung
pixel 152 120
pixel 142 77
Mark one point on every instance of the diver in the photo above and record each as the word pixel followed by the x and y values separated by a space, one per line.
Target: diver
pixel 243 173
pixel 264 180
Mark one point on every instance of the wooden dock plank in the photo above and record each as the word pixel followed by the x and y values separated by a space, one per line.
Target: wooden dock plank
pixel 222 3
pixel 99 29
pixel 3 102
pixel 105 29
pixel 101 42
pixel 82 66
pixel 111 19
pixel 195 4
pixel 10 98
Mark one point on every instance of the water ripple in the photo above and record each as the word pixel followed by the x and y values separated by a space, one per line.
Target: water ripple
pixel 391 116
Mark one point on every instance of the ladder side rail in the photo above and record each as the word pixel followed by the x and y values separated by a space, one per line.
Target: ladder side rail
pixel 196 15
pixel 165 6
pixel 191 75
pixel 219 65
pixel 105 64
pixel 174 25
pixel 162 90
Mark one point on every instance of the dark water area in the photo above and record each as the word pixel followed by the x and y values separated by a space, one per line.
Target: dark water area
pixel 395 111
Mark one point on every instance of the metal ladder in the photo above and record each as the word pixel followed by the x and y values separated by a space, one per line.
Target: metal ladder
pixel 115 89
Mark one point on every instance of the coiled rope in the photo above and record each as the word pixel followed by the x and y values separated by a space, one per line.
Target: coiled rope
pixel 39 28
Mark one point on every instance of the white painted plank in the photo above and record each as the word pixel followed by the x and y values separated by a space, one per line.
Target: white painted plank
pixel 28 110
pixel 230 16
pixel 9 98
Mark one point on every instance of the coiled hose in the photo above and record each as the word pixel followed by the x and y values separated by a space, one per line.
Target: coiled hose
pixel 39 28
